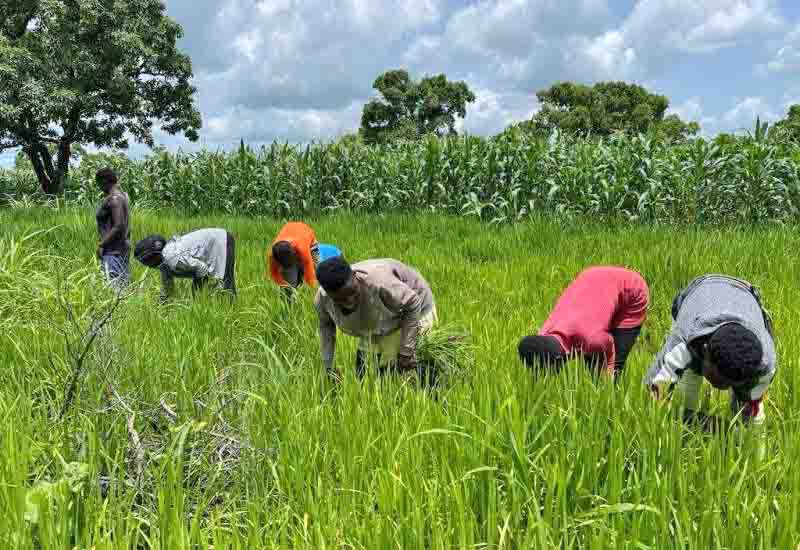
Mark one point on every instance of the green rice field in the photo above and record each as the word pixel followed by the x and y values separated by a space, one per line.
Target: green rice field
pixel 206 425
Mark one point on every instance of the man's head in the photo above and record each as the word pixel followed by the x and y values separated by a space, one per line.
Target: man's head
pixel 283 253
pixel 106 178
pixel 148 250
pixel 732 357
pixel 336 277
pixel 541 352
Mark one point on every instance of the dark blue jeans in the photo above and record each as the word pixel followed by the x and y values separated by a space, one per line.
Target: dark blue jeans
pixel 116 269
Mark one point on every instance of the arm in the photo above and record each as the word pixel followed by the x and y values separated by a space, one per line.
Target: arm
pixel 401 299
pixel 167 284
pixel 602 344
pixel 117 222
pixel 669 366
pixel 190 264
pixel 327 338
pixel 750 402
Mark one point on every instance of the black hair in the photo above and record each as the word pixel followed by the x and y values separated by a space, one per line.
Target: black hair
pixel 736 351
pixel 148 250
pixel 334 273
pixel 106 176
pixel 283 252
pixel 541 351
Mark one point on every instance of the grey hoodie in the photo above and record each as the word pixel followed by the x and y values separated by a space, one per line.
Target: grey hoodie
pixel 708 303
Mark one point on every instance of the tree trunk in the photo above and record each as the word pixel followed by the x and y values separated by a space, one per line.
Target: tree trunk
pixel 51 178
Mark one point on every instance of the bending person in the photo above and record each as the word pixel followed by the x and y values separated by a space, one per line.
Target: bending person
pixel 599 315
pixel 384 303
pixel 294 256
pixel 200 255
pixel 720 332
pixel 113 229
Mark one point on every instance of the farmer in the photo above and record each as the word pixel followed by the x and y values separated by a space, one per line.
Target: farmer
pixel 200 255
pixel 294 256
pixel 113 229
pixel 384 303
pixel 599 315
pixel 720 332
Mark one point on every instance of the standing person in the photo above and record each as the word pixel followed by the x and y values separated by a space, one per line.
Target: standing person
pixel 600 315
pixel 199 255
pixel 294 256
pixel 386 304
pixel 722 333
pixel 113 229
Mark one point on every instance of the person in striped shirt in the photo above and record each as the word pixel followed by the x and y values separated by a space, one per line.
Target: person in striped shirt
pixel 599 315
pixel 294 256
pixel 720 333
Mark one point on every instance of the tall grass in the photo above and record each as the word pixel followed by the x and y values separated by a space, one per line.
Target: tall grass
pixel 494 460
pixel 504 179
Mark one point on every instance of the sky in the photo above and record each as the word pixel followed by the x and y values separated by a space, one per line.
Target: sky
pixel 301 70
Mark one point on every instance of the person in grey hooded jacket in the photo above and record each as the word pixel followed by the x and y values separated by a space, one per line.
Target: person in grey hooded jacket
pixel 200 255
pixel 721 333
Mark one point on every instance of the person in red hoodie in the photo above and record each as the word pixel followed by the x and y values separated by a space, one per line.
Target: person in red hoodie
pixel 599 315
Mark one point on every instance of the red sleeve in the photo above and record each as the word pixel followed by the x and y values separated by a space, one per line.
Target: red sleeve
pixel 751 409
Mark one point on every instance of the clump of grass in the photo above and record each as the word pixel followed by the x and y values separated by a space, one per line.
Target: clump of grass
pixel 446 354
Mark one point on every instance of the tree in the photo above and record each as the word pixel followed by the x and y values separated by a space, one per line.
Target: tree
pixel 22 162
pixel 674 130
pixel 789 128
pixel 409 110
pixel 89 72
pixel 607 108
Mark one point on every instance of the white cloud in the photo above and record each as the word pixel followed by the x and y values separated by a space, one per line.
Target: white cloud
pixel 492 112
pixel 787 58
pixel 700 26
pixel 605 55
pixel 743 115
pixel 512 44
pixel 297 125
pixel 693 110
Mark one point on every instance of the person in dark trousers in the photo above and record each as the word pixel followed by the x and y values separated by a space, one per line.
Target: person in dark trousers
pixel 599 315
pixel 386 304
pixel 721 333
pixel 200 255
pixel 113 229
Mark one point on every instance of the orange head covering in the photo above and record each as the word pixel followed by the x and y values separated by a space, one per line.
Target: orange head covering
pixel 302 238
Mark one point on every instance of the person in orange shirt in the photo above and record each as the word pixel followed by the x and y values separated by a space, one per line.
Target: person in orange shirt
pixel 294 255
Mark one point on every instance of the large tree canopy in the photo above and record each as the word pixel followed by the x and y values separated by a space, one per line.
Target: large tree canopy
pixel 789 127
pixel 408 109
pixel 606 108
pixel 89 72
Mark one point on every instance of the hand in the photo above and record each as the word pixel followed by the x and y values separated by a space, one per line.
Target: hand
pixel 655 391
pixel 406 362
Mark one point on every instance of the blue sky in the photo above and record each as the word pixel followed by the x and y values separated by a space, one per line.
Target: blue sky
pixel 300 70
